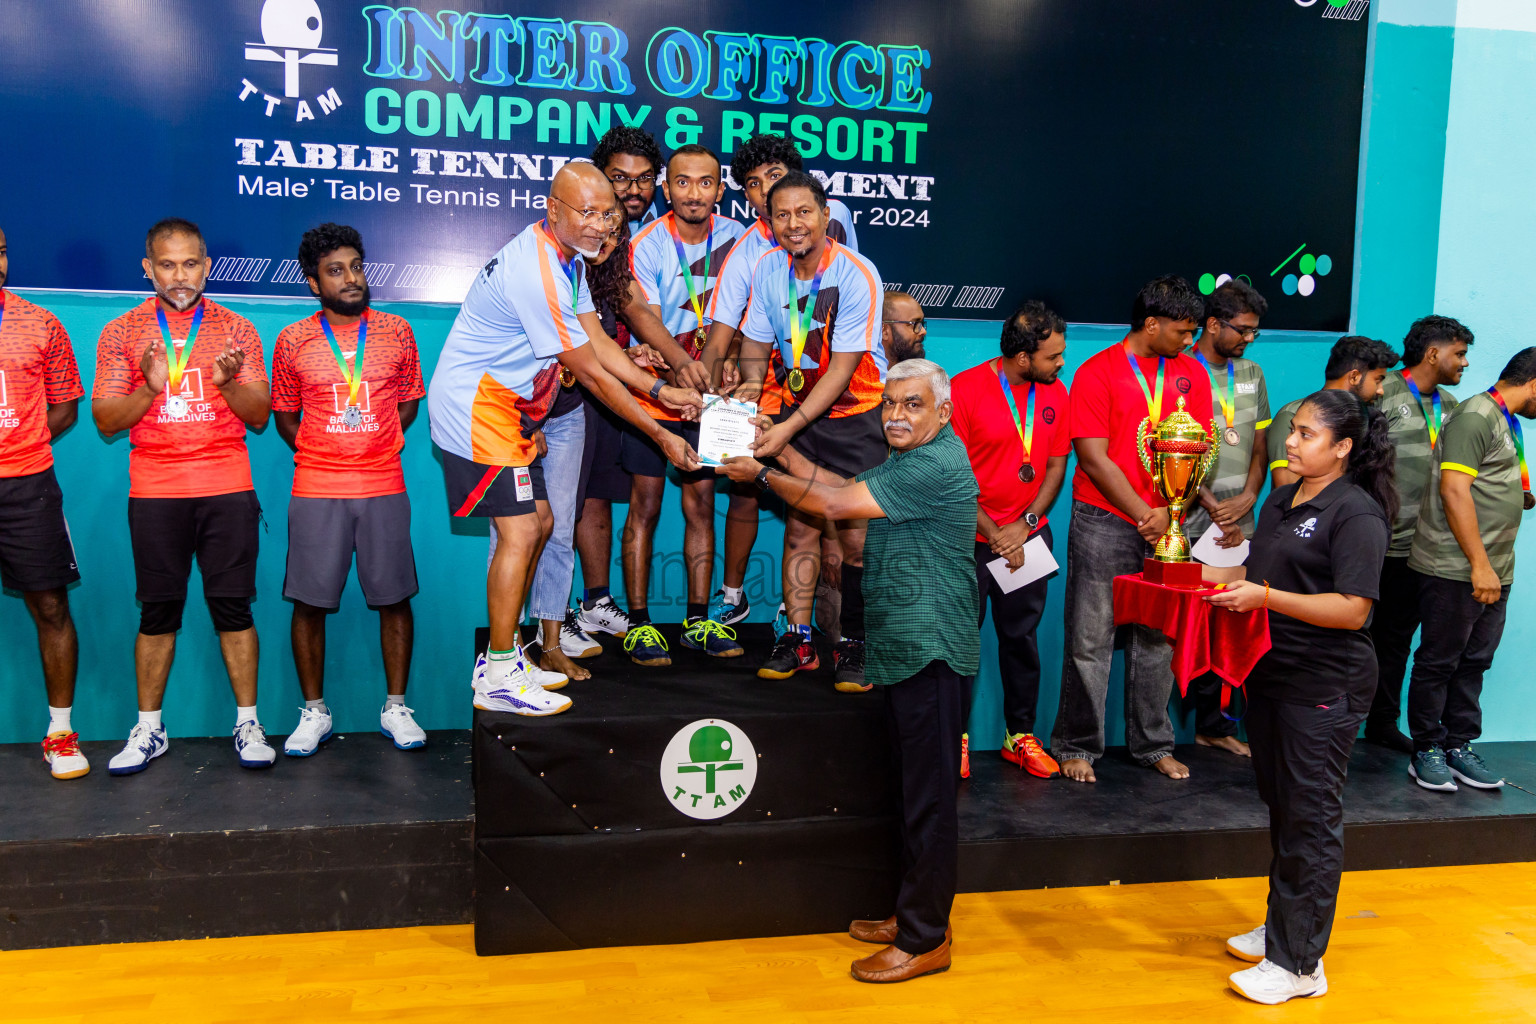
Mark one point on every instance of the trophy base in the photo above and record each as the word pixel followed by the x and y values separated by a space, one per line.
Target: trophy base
pixel 1184 575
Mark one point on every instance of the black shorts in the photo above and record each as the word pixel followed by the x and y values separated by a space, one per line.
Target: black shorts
pixel 221 529
pixel 846 446
pixel 323 533
pixel 641 457
pixel 602 467
pixel 35 550
pixel 492 491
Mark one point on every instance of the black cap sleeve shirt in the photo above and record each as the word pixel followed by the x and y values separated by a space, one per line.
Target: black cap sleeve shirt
pixel 1332 544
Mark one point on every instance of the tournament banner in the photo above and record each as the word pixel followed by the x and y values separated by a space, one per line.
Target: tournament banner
pixel 990 150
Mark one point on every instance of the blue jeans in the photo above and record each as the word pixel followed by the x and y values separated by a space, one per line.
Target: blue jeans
pixel 551 590
pixel 1101 546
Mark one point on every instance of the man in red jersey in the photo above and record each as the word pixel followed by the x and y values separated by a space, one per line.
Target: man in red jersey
pixel 39 387
pixel 346 383
pixel 1011 412
pixel 185 377
pixel 1116 518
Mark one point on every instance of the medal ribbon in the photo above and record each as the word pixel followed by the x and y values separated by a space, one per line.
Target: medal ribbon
pixel 354 376
pixel 1228 396
pixel 174 365
pixel 1433 421
pixel 1026 427
pixel 1517 435
pixel 694 298
pixel 800 324
pixel 1154 400
pixel 569 268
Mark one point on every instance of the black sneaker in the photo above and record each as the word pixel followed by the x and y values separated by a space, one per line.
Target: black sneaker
pixel 1389 736
pixel 848 663
pixel 793 653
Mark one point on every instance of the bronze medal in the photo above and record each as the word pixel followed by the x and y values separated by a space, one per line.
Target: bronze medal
pixel 1530 501
pixel 796 380
pixel 1232 437
pixel 1026 473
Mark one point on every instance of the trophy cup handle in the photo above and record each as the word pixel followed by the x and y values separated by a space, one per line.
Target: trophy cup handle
pixel 1209 458
pixel 1142 439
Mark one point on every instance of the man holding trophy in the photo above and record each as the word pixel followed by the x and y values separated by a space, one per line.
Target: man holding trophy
pixel 1118 515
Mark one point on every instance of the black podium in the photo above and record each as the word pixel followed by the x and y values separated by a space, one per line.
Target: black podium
pixel 587 826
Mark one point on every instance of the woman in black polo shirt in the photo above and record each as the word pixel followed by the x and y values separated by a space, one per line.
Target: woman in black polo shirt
pixel 1315 565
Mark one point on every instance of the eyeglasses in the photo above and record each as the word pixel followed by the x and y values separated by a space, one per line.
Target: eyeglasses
pixel 915 325
pixel 624 183
pixel 609 219
pixel 1246 333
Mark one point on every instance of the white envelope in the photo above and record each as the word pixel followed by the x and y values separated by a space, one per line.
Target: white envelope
pixel 1208 551
pixel 1038 564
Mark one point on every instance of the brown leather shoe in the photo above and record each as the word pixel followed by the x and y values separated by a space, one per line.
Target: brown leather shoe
pixel 881 933
pixel 891 964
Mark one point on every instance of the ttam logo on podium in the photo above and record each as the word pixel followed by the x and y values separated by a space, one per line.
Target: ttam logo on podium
pixel 708 768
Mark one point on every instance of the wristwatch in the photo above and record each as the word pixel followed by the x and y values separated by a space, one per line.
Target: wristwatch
pixel 1032 521
pixel 656 388
pixel 762 479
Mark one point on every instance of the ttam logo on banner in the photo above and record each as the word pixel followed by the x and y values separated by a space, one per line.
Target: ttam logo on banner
pixel 708 768
pixel 291 31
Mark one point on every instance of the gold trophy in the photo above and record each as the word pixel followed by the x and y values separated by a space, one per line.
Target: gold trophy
pixel 1177 453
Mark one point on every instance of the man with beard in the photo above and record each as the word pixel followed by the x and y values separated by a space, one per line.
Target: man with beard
pixel 676 258
pixel 631 160
pixel 185 377
pixel 1356 364
pixel 39 389
pixel 1011 412
pixel 528 314
pixel 902 328
pixel 346 383
pixel 1415 402
pixel 810 344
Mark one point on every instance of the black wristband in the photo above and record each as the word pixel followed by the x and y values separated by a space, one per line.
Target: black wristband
pixel 762 479
pixel 656 388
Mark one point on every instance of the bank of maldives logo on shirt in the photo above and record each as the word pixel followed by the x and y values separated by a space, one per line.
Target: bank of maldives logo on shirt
pixel 708 768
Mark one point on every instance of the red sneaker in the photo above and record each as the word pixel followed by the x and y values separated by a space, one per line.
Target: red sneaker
pixel 1024 750
pixel 965 755
pixel 793 653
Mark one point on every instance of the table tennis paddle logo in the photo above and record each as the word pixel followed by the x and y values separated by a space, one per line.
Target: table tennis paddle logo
pixel 708 769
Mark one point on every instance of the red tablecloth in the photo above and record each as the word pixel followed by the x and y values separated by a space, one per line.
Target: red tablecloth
pixel 1205 638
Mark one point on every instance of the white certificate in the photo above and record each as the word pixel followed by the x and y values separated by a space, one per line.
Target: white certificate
pixel 1208 551
pixel 1038 563
pixel 726 429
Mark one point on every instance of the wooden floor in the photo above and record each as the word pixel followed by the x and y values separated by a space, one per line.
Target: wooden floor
pixel 1433 944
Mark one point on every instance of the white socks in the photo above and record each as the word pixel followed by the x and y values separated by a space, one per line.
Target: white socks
pixel 58 720
pixel 150 718
pixel 309 705
pixel 393 699
pixel 243 715
pixel 732 595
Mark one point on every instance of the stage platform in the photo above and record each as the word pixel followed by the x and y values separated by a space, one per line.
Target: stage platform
pixel 365 836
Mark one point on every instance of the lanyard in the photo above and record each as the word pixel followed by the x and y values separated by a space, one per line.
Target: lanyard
pixel 682 261
pixel 178 366
pixel 1228 396
pixel 1517 435
pixel 353 377
pixel 1433 422
pixel 570 268
pixel 1026 427
pixel 1154 401
pixel 800 324
pixel 2 307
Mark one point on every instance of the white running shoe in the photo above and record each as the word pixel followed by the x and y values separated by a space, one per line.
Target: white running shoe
pixel 540 677
pixel 1269 983
pixel 252 747
pixel 511 689
pixel 1248 946
pixel 62 752
pixel 574 641
pixel 396 722
pixel 143 746
pixel 545 678
pixel 314 728
pixel 605 616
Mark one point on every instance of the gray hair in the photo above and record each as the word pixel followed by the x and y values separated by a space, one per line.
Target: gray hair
pixel 910 369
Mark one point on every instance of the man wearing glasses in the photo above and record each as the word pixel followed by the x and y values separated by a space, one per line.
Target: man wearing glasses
pixel 631 160
pixel 902 328
pixel 528 314
pixel 1240 409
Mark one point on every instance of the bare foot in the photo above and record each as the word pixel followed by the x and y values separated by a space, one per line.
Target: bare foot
pixel 1231 744
pixel 556 661
pixel 1078 769
pixel 1171 768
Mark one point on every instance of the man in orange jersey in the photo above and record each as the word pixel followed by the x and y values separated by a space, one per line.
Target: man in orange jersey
pixel 185 377
pixel 346 383
pixel 39 387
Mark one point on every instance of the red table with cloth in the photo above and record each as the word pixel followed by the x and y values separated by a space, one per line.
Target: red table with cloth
pixel 1205 638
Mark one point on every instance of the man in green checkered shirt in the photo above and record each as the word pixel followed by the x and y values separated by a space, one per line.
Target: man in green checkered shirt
pixel 1240 412
pixel 1464 557
pixel 1415 401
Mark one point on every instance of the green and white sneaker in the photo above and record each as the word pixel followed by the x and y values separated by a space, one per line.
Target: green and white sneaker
pixel 713 638
pixel 1469 768
pixel 646 646
pixel 1429 770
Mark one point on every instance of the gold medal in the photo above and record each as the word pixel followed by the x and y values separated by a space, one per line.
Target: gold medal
pixel 796 380
pixel 567 378
pixel 700 337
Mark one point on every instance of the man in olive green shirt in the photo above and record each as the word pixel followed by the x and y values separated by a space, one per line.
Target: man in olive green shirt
pixel 921 607
pixel 1356 364
pixel 1415 403
pixel 1464 557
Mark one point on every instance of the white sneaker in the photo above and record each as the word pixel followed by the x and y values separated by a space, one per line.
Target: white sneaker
pixel 252 747
pixel 314 728
pixel 545 678
pixel 511 689
pixel 143 746
pixel 396 722
pixel 1248 946
pixel 574 641
pixel 605 616
pixel 62 752
pixel 1269 983
pixel 541 677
